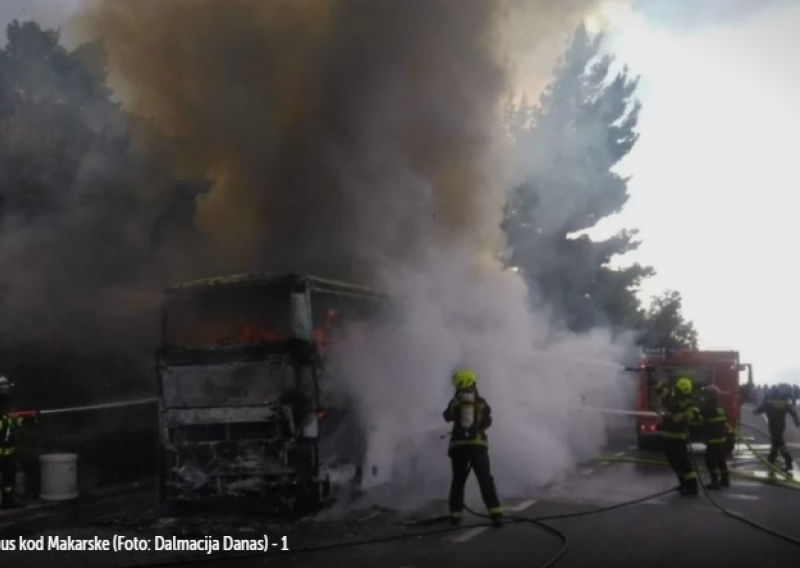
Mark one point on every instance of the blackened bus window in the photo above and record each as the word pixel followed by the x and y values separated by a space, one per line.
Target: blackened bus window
pixel 228 314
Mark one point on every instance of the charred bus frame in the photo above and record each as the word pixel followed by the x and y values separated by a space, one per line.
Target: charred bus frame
pixel 250 419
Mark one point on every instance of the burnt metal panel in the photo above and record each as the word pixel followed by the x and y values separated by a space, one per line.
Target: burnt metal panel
pixel 224 415
pixel 228 384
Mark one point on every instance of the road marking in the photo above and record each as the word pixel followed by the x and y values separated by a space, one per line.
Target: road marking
pixel 748 483
pixel 367 517
pixel 742 497
pixel 472 533
pixel 522 506
pixel 588 471
pixel 620 454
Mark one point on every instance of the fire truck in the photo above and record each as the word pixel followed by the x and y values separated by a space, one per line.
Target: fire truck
pixel 720 368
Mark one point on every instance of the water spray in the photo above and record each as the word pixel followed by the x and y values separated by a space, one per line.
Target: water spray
pixel 538 354
pixel 102 406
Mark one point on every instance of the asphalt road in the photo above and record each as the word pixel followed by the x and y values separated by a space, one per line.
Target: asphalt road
pixel 669 531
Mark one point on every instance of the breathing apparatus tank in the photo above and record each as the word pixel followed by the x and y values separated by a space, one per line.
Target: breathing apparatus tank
pixel 467 407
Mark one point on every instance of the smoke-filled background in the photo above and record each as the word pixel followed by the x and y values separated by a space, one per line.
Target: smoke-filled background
pixel 534 382
pixel 360 140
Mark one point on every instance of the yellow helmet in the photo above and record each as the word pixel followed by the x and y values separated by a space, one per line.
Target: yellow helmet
pixel 683 385
pixel 463 379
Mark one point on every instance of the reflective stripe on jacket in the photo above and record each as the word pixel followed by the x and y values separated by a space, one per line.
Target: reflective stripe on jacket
pixel 679 412
pixel 715 423
pixel 8 425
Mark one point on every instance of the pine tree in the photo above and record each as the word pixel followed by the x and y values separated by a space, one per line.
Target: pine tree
pixel 665 326
pixel 567 145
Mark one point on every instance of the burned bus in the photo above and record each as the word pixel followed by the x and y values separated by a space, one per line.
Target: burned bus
pixel 245 412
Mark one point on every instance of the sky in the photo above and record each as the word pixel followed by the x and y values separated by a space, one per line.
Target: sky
pixel 716 172
pixel 715 167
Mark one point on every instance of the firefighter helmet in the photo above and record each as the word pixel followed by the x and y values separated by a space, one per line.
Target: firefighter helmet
pixel 463 379
pixel 683 385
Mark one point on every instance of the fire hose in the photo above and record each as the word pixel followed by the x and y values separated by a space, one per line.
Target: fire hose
pixel 736 516
pixel 536 521
pixel 101 406
pixel 769 465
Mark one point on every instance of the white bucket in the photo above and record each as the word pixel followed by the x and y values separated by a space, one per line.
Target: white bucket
pixel 59 477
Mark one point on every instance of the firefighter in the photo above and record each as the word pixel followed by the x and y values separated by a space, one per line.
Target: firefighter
pixel 679 411
pixel 715 432
pixel 8 464
pixel 776 406
pixel 469 447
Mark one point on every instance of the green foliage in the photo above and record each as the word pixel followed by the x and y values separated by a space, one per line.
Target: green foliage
pixel 73 169
pixel 584 125
pixel 567 146
pixel 89 201
pixel 664 325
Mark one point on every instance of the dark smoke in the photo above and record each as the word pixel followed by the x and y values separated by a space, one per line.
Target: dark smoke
pixel 354 139
pixel 336 138
pixel 339 135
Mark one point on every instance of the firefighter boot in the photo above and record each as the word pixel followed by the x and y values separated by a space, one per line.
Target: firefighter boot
pixel 725 479
pixel 787 460
pixel 10 500
pixel 771 462
pixel 714 482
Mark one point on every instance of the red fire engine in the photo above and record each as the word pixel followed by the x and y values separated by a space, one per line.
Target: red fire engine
pixel 720 368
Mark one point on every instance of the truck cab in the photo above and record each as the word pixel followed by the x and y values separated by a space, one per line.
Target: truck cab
pixel 704 368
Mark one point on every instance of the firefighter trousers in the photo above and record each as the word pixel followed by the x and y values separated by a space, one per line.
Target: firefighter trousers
pixel 8 476
pixel 474 458
pixel 717 463
pixel 778 446
pixel 678 458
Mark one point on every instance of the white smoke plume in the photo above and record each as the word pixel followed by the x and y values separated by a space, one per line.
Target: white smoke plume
pixel 450 315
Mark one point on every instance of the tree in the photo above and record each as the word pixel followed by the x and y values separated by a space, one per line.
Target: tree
pixel 664 325
pixel 567 145
pixel 74 164
pixel 89 198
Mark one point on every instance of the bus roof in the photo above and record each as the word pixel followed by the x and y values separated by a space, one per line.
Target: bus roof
pixel 261 278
